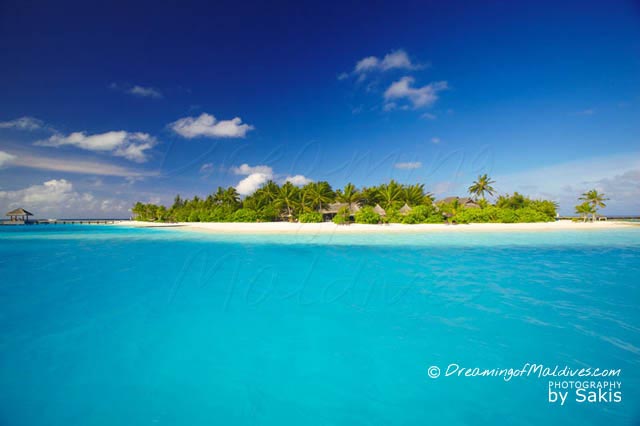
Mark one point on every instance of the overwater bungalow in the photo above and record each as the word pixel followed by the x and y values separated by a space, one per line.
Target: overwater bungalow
pixel 18 217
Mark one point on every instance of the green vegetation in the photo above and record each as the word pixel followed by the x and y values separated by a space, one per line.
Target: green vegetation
pixel 310 217
pixel 342 218
pixel 367 215
pixel 287 202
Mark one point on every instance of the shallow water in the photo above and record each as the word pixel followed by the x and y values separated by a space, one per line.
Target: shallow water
pixel 112 325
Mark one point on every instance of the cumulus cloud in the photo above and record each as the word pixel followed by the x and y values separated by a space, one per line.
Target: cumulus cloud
pixel 298 180
pixel 22 123
pixel 132 146
pixel 418 96
pixel 206 125
pixel 398 59
pixel 246 169
pixel 145 92
pixel 255 177
pixel 59 196
pixel 408 165
pixel 6 158
pixel 137 90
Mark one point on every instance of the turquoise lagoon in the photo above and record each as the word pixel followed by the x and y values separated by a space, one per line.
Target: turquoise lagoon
pixel 120 326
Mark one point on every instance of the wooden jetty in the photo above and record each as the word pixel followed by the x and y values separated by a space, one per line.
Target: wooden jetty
pixel 21 217
pixel 75 221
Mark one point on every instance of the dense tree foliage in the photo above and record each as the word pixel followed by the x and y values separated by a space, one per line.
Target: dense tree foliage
pixel 287 202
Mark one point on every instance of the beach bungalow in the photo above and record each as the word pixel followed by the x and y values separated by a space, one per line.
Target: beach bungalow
pixel 18 216
pixel 332 210
pixel 404 209
pixel 463 202
pixel 379 210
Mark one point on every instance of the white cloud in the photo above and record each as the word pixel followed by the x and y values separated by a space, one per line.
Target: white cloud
pixel 6 158
pixel 408 165
pixel 137 90
pixel 298 180
pixel 256 176
pixel 259 175
pixel 206 125
pixel 418 96
pixel 367 64
pixel 251 183
pixel 429 116
pixel 436 140
pixel 22 123
pixel 398 59
pixel 246 169
pixel 131 146
pixel 59 196
pixel 145 92
pixel 69 165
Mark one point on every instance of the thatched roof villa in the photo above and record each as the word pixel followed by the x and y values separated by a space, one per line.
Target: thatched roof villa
pixel 464 202
pixel 404 209
pixel 332 209
pixel 18 216
pixel 379 210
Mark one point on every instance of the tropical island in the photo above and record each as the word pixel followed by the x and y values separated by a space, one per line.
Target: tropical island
pixel 391 202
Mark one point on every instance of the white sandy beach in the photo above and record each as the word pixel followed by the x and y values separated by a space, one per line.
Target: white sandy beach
pixel 395 228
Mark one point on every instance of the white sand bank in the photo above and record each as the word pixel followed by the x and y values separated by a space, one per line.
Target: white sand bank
pixel 331 228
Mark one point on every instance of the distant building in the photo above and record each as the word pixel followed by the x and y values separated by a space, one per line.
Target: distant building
pixel 463 202
pixel 404 209
pixel 332 210
pixel 379 210
pixel 19 216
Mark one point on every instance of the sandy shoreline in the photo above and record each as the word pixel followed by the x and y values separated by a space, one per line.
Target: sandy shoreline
pixel 331 228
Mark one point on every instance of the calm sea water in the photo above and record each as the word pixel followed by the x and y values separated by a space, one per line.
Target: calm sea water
pixel 109 325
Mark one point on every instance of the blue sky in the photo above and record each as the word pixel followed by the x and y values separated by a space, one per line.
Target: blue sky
pixel 106 104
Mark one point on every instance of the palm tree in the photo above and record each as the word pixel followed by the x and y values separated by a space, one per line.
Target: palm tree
pixel 266 194
pixel 584 210
pixel 370 196
pixel 349 194
pixel 287 198
pixel 595 199
pixel 390 194
pixel 218 197
pixel 315 194
pixel 482 186
pixel 414 195
pixel 231 197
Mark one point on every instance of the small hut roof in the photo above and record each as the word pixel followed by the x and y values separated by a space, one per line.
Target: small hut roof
pixel 379 210
pixel 465 201
pixel 335 207
pixel 405 209
pixel 19 212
